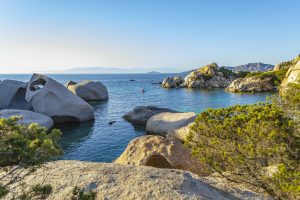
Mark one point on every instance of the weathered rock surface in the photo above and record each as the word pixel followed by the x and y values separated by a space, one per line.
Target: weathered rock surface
pixel 29 117
pixel 49 97
pixel 207 77
pixel 166 121
pixel 89 90
pixel 181 133
pixel 172 82
pixel 292 75
pixel 112 181
pixel 12 95
pixel 251 84
pixel 141 114
pixel 158 151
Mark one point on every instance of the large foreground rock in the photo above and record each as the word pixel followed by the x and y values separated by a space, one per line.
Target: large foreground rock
pixel 252 84
pixel 12 95
pixel 28 117
pixel 141 114
pixel 166 121
pixel 158 151
pixel 49 97
pixel 89 90
pixel 112 181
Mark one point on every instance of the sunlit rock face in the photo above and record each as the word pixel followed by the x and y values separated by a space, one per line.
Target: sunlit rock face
pixel 252 84
pixel 160 152
pixel 208 76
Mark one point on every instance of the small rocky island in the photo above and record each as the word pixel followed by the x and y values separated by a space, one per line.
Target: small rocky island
pixel 208 76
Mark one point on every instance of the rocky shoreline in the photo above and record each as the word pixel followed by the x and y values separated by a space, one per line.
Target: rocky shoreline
pixel 136 173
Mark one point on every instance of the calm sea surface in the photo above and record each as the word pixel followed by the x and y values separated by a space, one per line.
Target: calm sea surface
pixel 99 141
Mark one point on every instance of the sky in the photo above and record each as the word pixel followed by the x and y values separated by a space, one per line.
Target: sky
pixel 178 35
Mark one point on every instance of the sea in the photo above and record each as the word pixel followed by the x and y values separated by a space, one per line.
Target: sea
pixel 99 141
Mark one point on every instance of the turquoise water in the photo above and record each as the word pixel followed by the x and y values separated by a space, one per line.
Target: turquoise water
pixel 99 141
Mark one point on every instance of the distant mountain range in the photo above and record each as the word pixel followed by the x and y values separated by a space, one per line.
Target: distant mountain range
pixel 251 67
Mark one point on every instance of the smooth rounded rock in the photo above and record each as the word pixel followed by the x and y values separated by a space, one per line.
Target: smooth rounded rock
pixel 166 121
pixel 141 114
pixel 28 117
pixel 89 90
pixel 160 152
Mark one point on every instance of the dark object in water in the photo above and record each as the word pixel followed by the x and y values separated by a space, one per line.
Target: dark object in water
pixel 143 91
pixel 159 82
pixel 131 80
pixel 112 122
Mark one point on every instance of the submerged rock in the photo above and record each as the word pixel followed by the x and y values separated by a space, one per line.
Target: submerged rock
pixel 89 90
pixel 166 121
pixel 252 84
pixel 12 95
pixel 157 151
pixel 49 97
pixel 141 114
pixel 28 117
pixel 112 181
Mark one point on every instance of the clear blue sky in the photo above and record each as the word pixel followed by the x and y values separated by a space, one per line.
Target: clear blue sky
pixel 38 35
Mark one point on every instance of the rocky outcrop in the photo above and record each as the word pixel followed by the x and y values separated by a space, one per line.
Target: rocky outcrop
pixel 172 82
pixel 252 84
pixel 112 181
pixel 209 76
pixel 28 117
pixel 292 75
pixel 12 95
pixel 141 114
pixel 88 90
pixel 166 121
pixel 158 151
pixel 52 99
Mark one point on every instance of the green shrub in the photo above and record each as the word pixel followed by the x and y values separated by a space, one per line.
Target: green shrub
pixel 226 72
pixel 277 76
pixel 246 140
pixel 81 194
pixel 37 192
pixel 26 147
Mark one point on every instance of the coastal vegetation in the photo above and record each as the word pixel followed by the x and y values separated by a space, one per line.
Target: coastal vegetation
pixel 276 75
pixel 256 144
pixel 25 148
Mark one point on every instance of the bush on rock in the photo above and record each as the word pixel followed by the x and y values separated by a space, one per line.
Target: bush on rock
pixel 255 143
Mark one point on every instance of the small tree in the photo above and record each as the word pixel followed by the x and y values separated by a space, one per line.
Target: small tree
pixel 247 141
pixel 24 148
